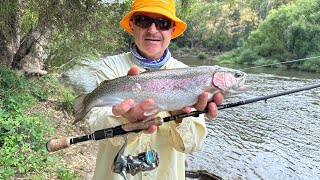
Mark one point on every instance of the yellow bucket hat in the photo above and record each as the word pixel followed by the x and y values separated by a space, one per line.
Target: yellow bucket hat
pixel 163 7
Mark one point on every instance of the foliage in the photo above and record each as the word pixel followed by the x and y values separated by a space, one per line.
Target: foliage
pixel 7 8
pixel 95 37
pixel 202 55
pixel 311 65
pixel 216 25
pixel 23 133
pixel 173 46
pixel 68 101
pixel 69 29
pixel 290 32
pixel 90 28
pixel 64 174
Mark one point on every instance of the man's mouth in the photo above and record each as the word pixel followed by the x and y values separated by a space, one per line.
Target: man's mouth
pixel 152 39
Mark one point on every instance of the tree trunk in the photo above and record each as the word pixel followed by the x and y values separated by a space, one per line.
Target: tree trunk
pixel 9 36
pixel 8 47
pixel 26 54
pixel 30 56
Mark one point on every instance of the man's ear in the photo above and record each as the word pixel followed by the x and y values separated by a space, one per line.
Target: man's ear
pixel 173 29
pixel 131 25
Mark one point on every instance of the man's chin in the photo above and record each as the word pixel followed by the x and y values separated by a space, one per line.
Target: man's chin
pixel 152 54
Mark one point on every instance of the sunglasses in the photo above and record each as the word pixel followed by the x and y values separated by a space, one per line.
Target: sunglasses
pixel 145 22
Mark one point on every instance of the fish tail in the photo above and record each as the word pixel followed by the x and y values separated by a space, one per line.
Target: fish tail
pixel 79 108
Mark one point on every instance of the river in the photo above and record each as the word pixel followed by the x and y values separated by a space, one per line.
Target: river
pixel 276 139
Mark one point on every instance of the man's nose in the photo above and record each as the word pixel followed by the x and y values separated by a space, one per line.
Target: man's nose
pixel 152 29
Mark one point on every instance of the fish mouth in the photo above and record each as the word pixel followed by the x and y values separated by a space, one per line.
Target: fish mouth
pixel 241 86
pixel 244 88
pixel 240 89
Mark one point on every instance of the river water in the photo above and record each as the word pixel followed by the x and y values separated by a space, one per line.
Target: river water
pixel 276 139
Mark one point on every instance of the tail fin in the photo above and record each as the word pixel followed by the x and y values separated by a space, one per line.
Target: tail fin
pixel 79 108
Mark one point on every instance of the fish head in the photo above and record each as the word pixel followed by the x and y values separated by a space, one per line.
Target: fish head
pixel 230 81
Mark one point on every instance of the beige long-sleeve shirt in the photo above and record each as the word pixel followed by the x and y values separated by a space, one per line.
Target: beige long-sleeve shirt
pixel 171 140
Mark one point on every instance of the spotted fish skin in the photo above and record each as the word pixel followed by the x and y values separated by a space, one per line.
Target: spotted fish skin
pixel 171 89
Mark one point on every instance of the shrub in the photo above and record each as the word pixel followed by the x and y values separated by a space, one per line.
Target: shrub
pixel 247 56
pixel 22 133
pixel 202 55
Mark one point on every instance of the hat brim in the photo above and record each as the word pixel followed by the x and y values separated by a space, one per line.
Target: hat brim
pixel 180 26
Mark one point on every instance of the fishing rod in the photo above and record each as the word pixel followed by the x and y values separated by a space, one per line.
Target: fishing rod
pixel 62 143
pixel 280 63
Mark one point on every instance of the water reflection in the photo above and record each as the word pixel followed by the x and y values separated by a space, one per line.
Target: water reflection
pixel 279 139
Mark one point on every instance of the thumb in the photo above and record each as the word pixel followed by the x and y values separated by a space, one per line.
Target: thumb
pixel 133 71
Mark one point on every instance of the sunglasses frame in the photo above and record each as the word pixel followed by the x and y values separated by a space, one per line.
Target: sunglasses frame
pixel 149 20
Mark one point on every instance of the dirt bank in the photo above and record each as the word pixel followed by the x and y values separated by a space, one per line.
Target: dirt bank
pixel 79 159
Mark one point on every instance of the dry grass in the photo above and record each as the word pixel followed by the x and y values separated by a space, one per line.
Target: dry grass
pixel 79 158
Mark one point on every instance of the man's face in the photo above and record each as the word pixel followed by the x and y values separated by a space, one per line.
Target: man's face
pixel 151 42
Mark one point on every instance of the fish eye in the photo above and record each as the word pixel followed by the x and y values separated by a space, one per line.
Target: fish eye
pixel 237 74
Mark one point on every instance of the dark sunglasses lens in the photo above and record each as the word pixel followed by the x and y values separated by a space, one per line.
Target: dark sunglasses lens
pixel 143 21
pixel 163 24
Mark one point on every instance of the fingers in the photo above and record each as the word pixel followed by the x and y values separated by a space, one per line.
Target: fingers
pixel 212 106
pixel 212 111
pixel 132 112
pixel 218 98
pixel 123 107
pixel 138 112
pixel 202 101
pixel 151 129
pixel 133 71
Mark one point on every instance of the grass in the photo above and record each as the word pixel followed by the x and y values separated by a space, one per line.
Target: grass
pixel 24 131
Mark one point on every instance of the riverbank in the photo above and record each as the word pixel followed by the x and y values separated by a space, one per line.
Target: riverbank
pixel 33 111
pixel 79 159
pixel 196 53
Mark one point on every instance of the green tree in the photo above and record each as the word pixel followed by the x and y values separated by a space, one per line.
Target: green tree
pixel 216 25
pixel 290 32
pixel 70 27
pixel 263 7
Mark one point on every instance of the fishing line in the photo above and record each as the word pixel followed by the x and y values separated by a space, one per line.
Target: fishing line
pixel 285 62
pixel 62 143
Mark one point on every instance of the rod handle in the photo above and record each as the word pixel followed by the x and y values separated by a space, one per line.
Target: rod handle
pixel 58 144
pixel 142 125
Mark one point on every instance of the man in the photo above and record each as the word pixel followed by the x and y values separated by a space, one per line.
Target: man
pixel 153 24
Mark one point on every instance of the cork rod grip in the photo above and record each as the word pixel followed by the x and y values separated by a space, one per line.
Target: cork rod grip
pixel 58 144
pixel 142 124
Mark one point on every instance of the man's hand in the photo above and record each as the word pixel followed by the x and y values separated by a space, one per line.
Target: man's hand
pixel 132 112
pixel 202 104
pixel 212 106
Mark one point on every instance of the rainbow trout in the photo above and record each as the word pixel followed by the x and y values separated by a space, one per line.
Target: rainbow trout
pixel 171 89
